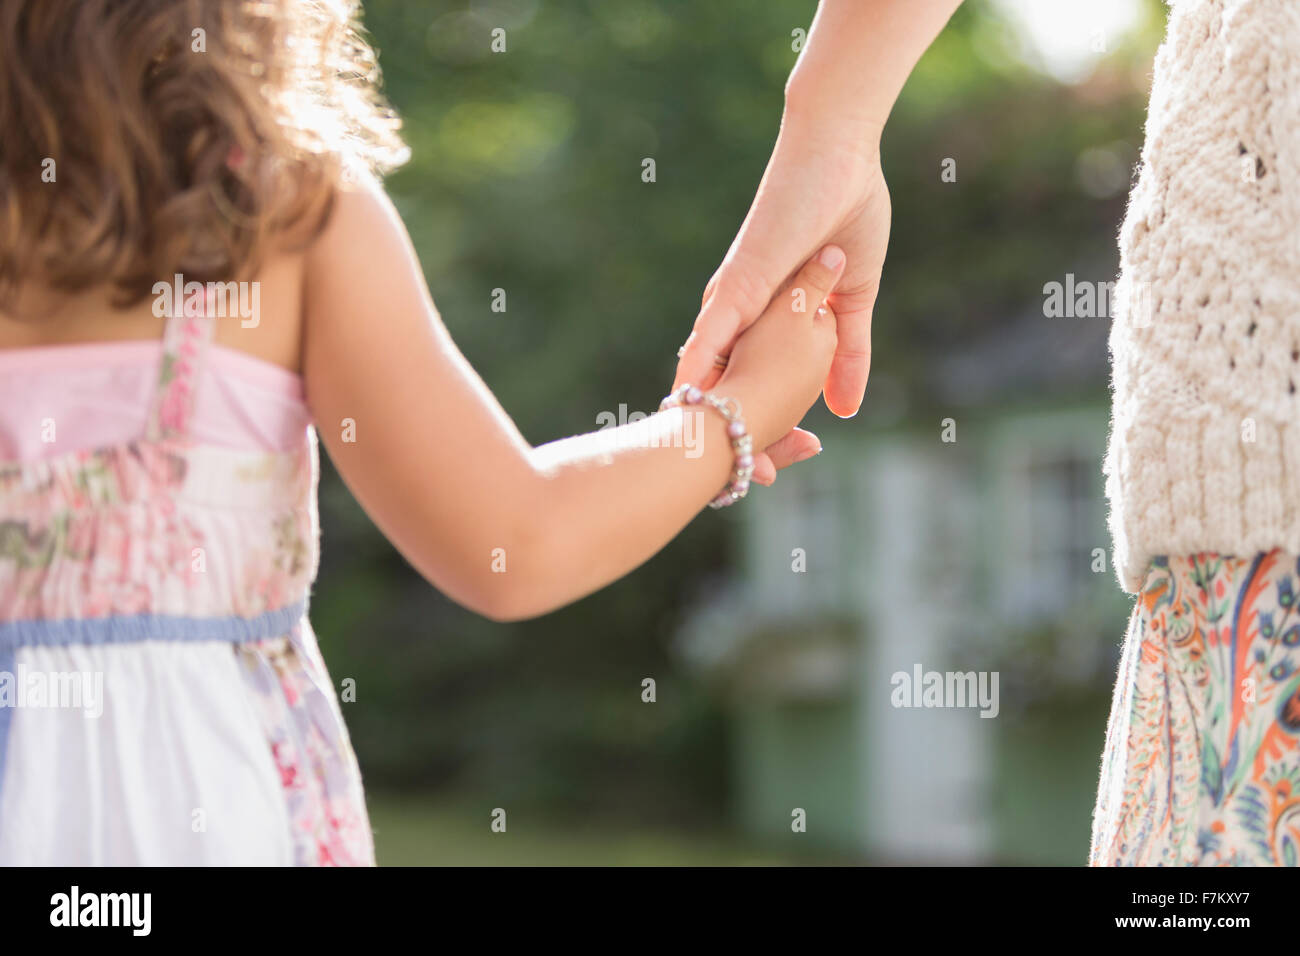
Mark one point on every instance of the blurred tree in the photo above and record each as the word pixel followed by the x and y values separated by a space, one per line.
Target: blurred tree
pixel 527 177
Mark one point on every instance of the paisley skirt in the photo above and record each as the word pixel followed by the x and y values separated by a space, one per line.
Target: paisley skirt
pixel 1201 766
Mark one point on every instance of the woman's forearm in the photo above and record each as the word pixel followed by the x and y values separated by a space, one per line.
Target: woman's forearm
pixel 859 54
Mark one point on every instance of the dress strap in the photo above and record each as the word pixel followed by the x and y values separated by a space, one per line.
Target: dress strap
pixel 185 338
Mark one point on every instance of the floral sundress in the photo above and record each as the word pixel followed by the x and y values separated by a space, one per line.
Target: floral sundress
pixel 162 697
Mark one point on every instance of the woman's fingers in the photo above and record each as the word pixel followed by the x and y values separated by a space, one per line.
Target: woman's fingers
pixel 731 296
pixel 708 289
pixel 711 379
pixel 740 292
pixel 847 382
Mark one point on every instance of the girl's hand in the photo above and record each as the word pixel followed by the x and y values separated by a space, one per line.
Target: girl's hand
pixel 777 368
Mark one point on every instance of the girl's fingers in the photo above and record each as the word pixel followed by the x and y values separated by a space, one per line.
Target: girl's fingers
pixel 814 282
pixel 798 445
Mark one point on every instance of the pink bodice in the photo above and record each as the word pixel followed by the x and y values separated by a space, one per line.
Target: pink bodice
pixel 62 398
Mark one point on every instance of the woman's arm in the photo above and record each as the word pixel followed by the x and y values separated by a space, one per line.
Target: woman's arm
pixel 858 55
pixel 823 184
pixel 444 473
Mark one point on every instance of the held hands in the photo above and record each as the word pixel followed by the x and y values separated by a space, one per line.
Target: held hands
pixel 777 368
pixel 820 186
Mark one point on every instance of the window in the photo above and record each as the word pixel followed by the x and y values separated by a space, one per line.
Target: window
pixel 1054 519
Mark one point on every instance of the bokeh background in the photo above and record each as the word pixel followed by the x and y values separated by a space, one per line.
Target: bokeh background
pixel 773 630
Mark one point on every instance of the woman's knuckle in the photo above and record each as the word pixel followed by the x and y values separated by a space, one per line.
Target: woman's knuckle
pixel 745 289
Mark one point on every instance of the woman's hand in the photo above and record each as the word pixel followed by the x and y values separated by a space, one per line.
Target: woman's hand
pixel 821 186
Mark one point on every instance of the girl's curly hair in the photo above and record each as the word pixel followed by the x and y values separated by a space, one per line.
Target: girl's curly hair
pixel 144 138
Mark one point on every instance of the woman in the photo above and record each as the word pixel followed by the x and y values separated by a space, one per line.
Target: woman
pixel 1203 469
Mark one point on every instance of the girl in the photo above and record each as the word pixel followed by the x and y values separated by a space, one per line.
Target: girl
pixel 162 698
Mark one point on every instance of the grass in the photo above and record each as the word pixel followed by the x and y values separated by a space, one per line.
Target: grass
pixel 413 831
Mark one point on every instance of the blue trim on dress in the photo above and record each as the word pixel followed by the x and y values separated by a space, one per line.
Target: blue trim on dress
pixel 125 629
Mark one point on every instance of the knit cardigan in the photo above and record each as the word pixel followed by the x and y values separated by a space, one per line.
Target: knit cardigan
pixel 1204 450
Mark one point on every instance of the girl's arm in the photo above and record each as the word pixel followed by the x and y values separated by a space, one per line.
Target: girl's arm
pixel 445 474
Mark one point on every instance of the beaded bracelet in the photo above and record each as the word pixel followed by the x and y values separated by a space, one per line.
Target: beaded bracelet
pixel 742 444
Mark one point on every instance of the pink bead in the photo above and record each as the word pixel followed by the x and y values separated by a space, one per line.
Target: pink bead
pixel 741 486
pixel 745 461
pixel 693 396
pixel 735 429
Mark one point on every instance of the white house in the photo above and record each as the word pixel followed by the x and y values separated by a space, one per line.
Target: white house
pixel 899 552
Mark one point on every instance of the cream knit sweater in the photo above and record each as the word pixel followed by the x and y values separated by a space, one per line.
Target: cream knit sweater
pixel 1205 436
